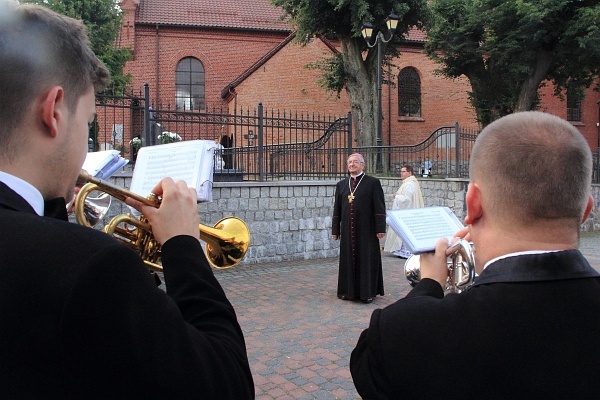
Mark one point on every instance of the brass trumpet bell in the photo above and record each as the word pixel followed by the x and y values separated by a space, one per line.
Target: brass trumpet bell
pixel 226 242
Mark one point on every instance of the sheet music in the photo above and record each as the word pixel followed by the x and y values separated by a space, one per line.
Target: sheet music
pixel 420 228
pixel 102 164
pixel 190 161
pixel 112 168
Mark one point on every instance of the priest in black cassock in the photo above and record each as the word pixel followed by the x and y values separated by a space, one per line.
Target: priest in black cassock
pixel 359 221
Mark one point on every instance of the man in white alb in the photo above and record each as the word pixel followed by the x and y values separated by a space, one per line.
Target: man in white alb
pixel 408 196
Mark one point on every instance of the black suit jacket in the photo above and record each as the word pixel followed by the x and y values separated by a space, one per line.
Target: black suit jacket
pixel 529 328
pixel 81 317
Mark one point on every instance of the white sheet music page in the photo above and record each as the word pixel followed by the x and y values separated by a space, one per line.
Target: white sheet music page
pixel 190 161
pixel 420 228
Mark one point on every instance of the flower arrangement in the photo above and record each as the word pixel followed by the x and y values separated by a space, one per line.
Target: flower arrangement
pixel 135 143
pixel 169 137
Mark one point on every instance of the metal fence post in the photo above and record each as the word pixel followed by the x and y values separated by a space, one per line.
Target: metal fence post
pixel 349 124
pixel 261 170
pixel 457 147
pixel 147 130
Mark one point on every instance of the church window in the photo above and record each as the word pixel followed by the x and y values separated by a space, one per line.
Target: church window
pixel 409 93
pixel 573 105
pixel 189 84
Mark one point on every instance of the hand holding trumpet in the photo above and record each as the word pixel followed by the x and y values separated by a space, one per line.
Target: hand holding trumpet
pixel 434 265
pixel 177 213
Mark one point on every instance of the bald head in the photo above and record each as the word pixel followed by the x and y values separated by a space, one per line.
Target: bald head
pixel 533 166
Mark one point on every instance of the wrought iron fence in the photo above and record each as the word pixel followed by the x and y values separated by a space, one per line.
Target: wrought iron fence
pixel 443 154
pixel 258 144
pixel 120 118
pixel 261 144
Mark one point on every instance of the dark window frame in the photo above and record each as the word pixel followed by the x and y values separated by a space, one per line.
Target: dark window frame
pixel 409 93
pixel 573 106
pixel 190 85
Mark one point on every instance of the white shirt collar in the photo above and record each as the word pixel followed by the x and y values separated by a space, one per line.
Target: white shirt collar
pixel 26 190
pixel 519 253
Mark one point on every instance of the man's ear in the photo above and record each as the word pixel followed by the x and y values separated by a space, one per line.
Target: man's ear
pixel 53 109
pixel 473 199
pixel 588 208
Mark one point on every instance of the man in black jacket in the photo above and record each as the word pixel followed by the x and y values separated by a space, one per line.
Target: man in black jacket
pixel 80 315
pixel 528 328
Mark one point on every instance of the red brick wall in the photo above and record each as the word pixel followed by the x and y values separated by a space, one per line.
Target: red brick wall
pixel 284 83
pixel 224 55
pixel 443 102
pixel 589 112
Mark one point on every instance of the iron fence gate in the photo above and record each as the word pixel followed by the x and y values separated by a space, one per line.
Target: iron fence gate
pixel 259 144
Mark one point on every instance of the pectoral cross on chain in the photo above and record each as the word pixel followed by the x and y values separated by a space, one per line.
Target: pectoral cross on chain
pixel 350 197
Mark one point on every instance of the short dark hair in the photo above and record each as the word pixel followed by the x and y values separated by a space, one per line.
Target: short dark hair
pixel 515 157
pixel 40 49
pixel 408 168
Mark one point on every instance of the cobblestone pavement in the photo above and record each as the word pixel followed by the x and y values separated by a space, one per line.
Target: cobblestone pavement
pixel 299 335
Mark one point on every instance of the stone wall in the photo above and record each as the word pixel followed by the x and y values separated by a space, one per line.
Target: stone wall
pixel 292 220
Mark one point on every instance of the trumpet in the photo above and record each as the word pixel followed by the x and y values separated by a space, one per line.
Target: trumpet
pixel 460 263
pixel 226 242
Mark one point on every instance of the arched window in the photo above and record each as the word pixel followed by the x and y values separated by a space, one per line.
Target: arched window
pixel 189 84
pixel 409 93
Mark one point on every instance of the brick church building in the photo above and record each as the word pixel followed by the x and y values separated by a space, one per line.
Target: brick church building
pixel 196 54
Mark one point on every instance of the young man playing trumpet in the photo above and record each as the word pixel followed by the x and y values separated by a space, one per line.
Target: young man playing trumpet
pixel 528 328
pixel 80 315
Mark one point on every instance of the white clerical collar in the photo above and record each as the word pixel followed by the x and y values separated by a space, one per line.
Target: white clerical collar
pixel 356 176
pixel 519 253
pixel 24 189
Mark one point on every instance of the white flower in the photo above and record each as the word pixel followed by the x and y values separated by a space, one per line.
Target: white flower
pixel 169 137
pixel 136 142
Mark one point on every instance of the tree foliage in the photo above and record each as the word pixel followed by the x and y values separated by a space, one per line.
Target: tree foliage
pixel 103 20
pixel 508 48
pixel 343 20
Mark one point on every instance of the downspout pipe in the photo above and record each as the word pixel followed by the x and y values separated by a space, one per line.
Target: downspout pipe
pixel 156 66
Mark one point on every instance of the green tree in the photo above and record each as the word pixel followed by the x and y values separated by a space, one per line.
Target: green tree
pixel 508 48
pixel 343 20
pixel 103 20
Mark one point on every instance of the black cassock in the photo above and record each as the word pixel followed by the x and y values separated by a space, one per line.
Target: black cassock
pixel 358 215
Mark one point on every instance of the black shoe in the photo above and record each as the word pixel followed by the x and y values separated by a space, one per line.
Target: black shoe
pixel 367 301
pixel 342 297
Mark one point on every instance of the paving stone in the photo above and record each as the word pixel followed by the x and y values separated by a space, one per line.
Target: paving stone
pixel 299 335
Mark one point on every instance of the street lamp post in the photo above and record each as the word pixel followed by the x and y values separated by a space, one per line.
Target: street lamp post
pixel 367 33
